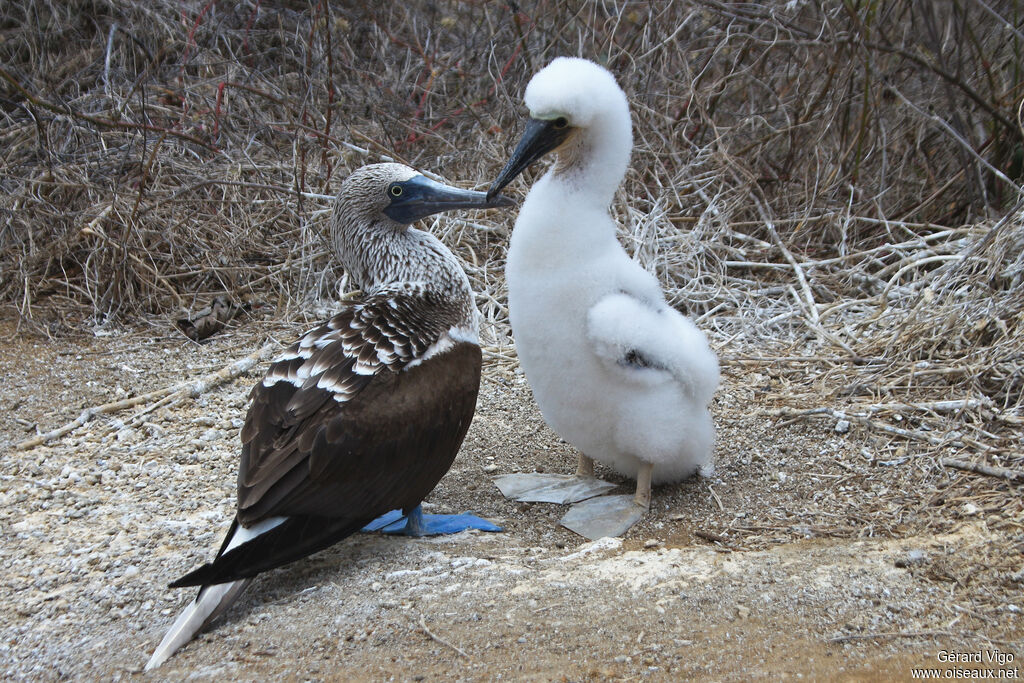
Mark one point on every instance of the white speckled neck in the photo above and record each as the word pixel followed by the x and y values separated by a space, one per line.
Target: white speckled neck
pixel 378 252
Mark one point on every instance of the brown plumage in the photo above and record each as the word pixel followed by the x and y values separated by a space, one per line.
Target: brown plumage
pixel 365 413
pixel 317 454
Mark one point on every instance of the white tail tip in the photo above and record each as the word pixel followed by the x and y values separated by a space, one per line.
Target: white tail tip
pixel 208 605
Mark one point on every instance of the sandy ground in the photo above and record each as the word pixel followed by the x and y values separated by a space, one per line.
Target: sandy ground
pixel 810 555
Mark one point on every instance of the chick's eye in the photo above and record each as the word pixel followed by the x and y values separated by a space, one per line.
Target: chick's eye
pixel 561 122
pixel 396 190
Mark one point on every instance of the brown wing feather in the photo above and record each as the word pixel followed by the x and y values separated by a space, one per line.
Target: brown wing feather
pixel 355 469
pixel 353 476
pixel 322 404
pixel 314 449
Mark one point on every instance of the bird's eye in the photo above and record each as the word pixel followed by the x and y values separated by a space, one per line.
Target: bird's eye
pixel 396 190
pixel 561 122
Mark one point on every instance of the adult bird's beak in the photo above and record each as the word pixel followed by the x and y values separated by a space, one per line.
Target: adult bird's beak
pixel 541 136
pixel 420 197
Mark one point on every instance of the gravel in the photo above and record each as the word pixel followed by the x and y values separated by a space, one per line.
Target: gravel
pixel 801 557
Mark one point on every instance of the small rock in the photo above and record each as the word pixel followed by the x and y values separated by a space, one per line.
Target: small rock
pixel 911 558
pixel 651 543
pixel 490 468
pixel 212 434
pixel 842 426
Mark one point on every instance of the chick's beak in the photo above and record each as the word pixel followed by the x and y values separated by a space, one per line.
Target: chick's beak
pixel 541 136
pixel 421 197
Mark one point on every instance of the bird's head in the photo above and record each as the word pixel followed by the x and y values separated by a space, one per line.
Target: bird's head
pixel 566 98
pixel 402 195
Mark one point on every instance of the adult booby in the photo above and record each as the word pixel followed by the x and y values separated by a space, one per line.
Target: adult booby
pixel 365 413
pixel 616 371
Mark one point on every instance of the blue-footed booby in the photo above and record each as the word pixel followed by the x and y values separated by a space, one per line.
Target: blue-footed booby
pixel 364 414
pixel 615 370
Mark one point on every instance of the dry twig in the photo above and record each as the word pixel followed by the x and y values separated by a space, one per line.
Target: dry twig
pixel 987 470
pixel 434 636
pixel 160 396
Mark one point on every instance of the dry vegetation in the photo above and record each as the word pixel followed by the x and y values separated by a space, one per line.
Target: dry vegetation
pixel 832 189
pixel 844 174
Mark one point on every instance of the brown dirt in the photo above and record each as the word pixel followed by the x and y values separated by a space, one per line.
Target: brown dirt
pixel 805 557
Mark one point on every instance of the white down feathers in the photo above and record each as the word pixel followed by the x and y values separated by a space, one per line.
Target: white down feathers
pixel 616 372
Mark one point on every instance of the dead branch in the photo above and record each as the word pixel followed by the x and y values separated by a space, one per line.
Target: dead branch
pixel 99 120
pixel 953 439
pixel 186 389
pixel 987 470
pixel 891 634
pixel 948 406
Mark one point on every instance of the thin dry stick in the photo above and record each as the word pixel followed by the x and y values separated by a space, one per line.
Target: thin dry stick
pixel 808 297
pixel 140 416
pixel 190 389
pixel 423 625
pixel 94 230
pixel 795 415
pixel 891 634
pixel 1012 215
pixel 941 123
pixel 948 406
pixel 106 60
pixel 711 536
pixel 812 309
pixel 99 120
pixel 987 470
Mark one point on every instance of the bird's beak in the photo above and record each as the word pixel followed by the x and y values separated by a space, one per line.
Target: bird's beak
pixel 421 197
pixel 540 137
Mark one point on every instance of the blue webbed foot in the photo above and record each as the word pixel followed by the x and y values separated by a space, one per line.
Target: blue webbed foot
pixel 384 520
pixel 417 523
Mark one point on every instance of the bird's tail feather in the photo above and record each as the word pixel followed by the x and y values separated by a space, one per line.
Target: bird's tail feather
pixel 211 602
